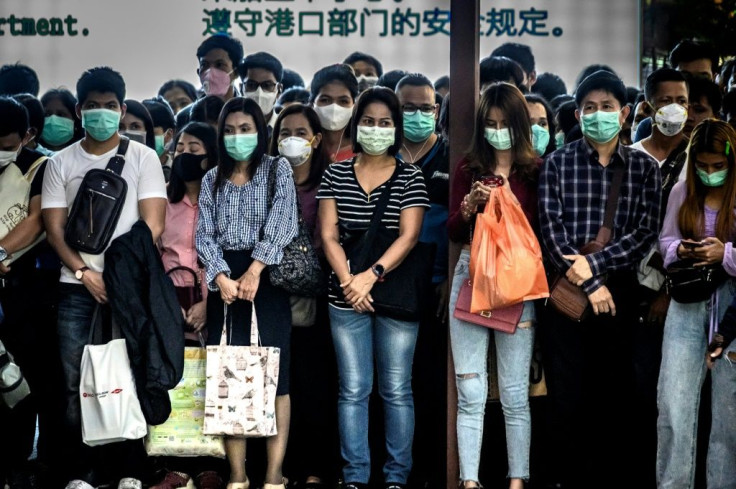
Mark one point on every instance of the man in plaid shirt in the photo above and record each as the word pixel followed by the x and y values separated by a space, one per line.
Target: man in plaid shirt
pixel 589 367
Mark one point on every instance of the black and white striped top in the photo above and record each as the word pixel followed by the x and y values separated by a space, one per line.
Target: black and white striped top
pixel 355 207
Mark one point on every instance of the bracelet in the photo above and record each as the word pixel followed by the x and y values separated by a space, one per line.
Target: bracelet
pixel 466 210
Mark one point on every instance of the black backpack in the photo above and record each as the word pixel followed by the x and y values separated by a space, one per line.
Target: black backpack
pixel 98 205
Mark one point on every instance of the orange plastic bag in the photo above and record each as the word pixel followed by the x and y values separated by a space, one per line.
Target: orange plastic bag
pixel 505 256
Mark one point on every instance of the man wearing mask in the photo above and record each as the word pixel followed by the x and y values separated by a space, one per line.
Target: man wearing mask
pixel 219 56
pixel 589 366
pixel 262 74
pixel 100 92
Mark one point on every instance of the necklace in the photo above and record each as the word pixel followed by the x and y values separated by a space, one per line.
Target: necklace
pixel 339 145
pixel 413 159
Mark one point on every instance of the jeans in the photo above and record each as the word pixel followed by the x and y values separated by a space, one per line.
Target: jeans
pixel 358 338
pixel 678 398
pixel 470 354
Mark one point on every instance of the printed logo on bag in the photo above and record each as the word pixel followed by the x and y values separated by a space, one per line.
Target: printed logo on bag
pixel 104 184
pixel 102 394
pixel 14 216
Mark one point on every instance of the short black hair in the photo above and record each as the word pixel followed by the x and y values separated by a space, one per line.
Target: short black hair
pixel 137 109
pixel 501 69
pixel 384 96
pixel 208 135
pixel 35 110
pixel 185 86
pixel 443 120
pixel 658 76
pixel 294 94
pixel 729 104
pixel 340 73
pixel 631 94
pixel 565 115
pixel 414 80
pixel 442 82
pixel 18 78
pixel 232 46
pixel 390 79
pixel 521 53
pixel 549 85
pixel 262 60
pixel 690 50
pixel 184 116
pixel 561 99
pixel 13 117
pixel 207 109
pixel 589 70
pixel 292 79
pixel 700 87
pixel 366 58
pixel 161 112
pixel 601 80
pixel 101 79
pixel 639 98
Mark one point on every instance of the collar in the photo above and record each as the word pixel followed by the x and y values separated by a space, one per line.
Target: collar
pixel 618 156
pixel 272 120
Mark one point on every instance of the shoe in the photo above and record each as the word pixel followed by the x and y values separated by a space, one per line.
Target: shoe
pixel 394 485
pixel 276 486
pixel 130 483
pixel 238 485
pixel 78 484
pixel 354 485
pixel 174 480
pixel 209 479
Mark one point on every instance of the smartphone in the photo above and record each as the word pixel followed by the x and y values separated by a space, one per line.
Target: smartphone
pixel 492 181
pixel 691 245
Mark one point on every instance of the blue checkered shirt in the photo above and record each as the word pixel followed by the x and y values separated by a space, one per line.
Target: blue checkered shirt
pixel 573 189
pixel 233 218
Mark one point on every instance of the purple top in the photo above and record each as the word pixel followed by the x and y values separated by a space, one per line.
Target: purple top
pixel 308 201
pixel 670 237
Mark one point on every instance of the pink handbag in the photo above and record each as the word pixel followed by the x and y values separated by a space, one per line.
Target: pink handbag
pixel 504 319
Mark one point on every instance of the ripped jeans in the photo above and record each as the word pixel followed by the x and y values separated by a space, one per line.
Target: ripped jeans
pixel 470 355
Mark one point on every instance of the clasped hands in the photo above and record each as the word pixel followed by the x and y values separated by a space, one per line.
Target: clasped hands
pixel 580 272
pixel 244 288
pixel 357 288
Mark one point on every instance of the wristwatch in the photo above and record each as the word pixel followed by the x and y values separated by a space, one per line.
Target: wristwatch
pixel 3 254
pixel 80 273
pixel 378 271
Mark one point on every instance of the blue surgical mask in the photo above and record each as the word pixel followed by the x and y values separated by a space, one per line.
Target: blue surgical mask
pixel 159 144
pixel 240 147
pixel 601 126
pixel 100 124
pixel 540 139
pixel 715 179
pixel 499 138
pixel 57 130
pixel 559 140
pixel 418 126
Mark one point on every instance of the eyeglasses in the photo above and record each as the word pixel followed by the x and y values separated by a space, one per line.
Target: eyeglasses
pixel 267 86
pixel 410 109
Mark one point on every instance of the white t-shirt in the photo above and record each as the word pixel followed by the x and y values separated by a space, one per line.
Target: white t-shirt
pixel 66 169
pixel 638 145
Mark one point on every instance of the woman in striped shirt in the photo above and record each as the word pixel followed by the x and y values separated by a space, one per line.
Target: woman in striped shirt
pixel 349 194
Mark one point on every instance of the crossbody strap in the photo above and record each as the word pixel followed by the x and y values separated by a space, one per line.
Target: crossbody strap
pixel 604 233
pixel 117 162
pixel 31 173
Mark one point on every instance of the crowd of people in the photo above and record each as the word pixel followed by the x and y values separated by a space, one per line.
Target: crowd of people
pixel 223 178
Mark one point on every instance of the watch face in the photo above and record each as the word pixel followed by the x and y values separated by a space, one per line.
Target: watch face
pixel 379 269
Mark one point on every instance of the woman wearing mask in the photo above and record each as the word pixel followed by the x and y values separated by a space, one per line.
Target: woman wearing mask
pixel 699 225
pixel 333 92
pixel 137 124
pixel 543 124
pixel 501 147
pixel 238 235
pixel 61 125
pixel 298 138
pixel 349 194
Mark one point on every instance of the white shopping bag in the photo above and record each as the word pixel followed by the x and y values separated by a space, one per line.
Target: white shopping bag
pixel 111 411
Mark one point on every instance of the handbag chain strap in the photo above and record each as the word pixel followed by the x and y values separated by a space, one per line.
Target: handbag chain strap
pixel 604 233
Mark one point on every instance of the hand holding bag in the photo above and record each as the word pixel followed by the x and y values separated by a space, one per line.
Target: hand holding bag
pixel 240 398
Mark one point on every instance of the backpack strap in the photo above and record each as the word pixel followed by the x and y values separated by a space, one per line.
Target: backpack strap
pixel 116 163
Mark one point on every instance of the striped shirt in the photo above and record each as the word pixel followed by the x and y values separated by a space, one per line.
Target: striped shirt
pixel 237 217
pixel 355 207
pixel 573 189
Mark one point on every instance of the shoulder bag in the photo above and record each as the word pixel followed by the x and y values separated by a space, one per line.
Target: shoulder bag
pixel 98 205
pixel 567 298
pixel 504 319
pixel 687 283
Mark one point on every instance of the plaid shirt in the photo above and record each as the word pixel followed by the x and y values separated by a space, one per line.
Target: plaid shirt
pixel 573 189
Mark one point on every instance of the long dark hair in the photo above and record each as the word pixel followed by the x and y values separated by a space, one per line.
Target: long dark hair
pixel 320 159
pixel 481 156
pixel 225 163
pixel 140 111
pixel 205 133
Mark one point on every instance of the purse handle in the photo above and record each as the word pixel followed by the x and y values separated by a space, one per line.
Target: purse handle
pixel 103 328
pixel 604 233
pixel 255 337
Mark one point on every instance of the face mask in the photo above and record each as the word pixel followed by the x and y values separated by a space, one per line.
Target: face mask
pixel 418 127
pixel 7 157
pixel 215 82
pixel 138 136
pixel 559 140
pixel 333 117
pixel 100 124
pixel 265 100
pixel 670 119
pixel 499 138
pixel 159 144
pixel 240 147
pixel 365 82
pixel 540 139
pixel 188 167
pixel 375 140
pixel 57 130
pixel 715 179
pixel 296 150
pixel 600 126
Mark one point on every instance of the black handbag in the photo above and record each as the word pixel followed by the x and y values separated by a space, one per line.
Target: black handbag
pixel 687 283
pixel 98 205
pixel 299 272
pixel 399 296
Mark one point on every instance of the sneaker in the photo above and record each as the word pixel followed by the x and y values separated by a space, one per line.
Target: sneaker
pixel 209 479
pixel 354 485
pixel 174 480
pixel 394 485
pixel 78 484
pixel 130 483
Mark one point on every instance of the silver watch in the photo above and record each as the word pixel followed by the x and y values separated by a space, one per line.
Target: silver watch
pixel 3 254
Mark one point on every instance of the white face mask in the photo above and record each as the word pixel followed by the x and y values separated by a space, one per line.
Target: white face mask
pixel 334 117
pixel 139 136
pixel 296 150
pixel 365 82
pixel 8 157
pixel 375 140
pixel 670 119
pixel 265 100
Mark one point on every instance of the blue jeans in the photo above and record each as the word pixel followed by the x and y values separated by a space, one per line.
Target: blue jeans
pixel 358 338
pixel 470 354
pixel 678 398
